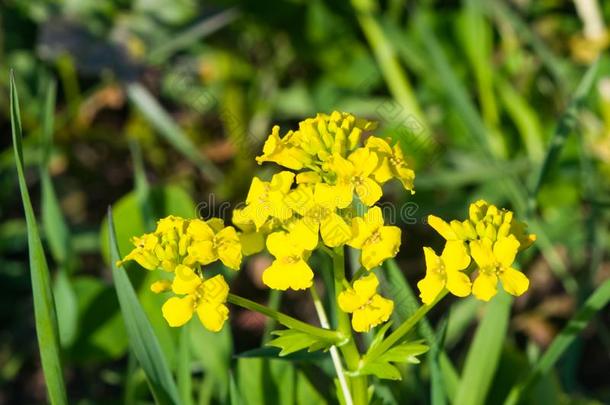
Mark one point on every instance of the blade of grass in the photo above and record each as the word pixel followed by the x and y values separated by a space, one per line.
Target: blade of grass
pixel 166 126
pixel 596 301
pixel 142 339
pixel 193 34
pixel 44 306
pixel 566 125
pixel 185 383
pixel 484 353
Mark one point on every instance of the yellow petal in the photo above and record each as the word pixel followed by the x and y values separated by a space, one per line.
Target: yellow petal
pixel 505 250
pixel 344 193
pixel 482 253
pixel 430 287
pixel 349 301
pixel 514 282
pixel 432 260
pixel 366 286
pixel 178 311
pixel 301 199
pixel 376 253
pixel 280 245
pixel 212 315
pixel 478 210
pixel 217 224
pixel 369 191
pixel 282 275
pixel 202 252
pixel 335 231
pixel 282 182
pixel 485 286
pixel 441 227
pixel 200 230
pixel 305 233
pixel 215 289
pixel 186 280
pixel 324 195
pixel 258 188
pixel 229 247
pixel 458 283
pixel 455 256
pixel 308 178
pixel 374 217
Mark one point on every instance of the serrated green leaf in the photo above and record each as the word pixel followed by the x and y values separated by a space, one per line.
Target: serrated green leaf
pixel 142 339
pixel 44 306
pixel 291 341
pixel 381 369
pixel 405 352
pixel 380 335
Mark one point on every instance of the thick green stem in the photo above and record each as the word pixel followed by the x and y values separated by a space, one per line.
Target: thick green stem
pixel 359 385
pixel 288 321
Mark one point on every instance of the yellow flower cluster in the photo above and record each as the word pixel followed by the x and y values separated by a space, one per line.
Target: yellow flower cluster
pixel 312 203
pixel 490 236
pixel 181 247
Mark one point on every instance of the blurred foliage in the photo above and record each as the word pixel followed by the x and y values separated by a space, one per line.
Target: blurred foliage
pixel 162 105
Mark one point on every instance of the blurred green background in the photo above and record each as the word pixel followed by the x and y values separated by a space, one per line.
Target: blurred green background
pixel 162 105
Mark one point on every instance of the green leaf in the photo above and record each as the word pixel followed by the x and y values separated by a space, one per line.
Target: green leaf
pixel 67 308
pixel 44 306
pixel 142 339
pixel 274 353
pixel 484 353
pixel 405 352
pixel 380 369
pixel 291 341
pixel 596 301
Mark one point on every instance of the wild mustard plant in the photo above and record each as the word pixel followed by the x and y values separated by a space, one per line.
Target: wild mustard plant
pixel 332 165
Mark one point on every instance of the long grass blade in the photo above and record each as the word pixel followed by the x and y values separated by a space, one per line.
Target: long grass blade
pixel 44 306
pixel 484 353
pixel 166 126
pixel 142 339
pixel 566 124
pixel 596 301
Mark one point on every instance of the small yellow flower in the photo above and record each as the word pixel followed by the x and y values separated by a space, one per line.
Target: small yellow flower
pixel 145 252
pixel 161 286
pixel 355 175
pixel 284 151
pixel 267 199
pixel 455 230
pixel 211 241
pixel 445 271
pixel 290 268
pixel 317 206
pixel 376 241
pixel 206 297
pixel 392 163
pixel 494 223
pixel 495 260
pixel 368 308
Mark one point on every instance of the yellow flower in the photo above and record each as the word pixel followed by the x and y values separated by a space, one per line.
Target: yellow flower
pixel 368 308
pixel 267 199
pixel 455 230
pixel 391 163
pixel 284 151
pixel 445 270
pixel 290 268
pixel 376 241
pixel 206 297
pixel 355 174
pixel 211 240
pixel 145 252
pixel 161 286
pixel 495 260
pixel 317 205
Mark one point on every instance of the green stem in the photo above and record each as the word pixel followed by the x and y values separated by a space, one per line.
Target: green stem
pixel 359 385
pixel 288 321
pixel 334 352
pixel 402 330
